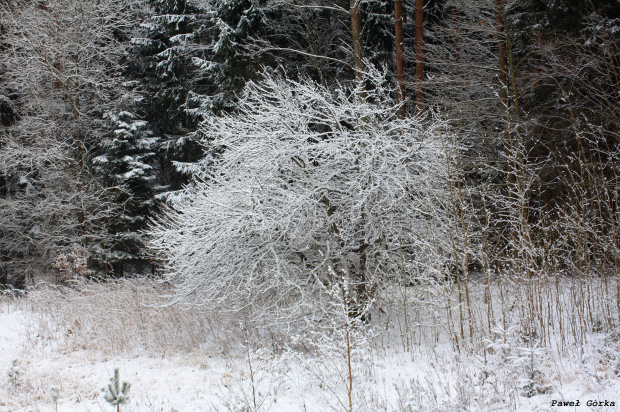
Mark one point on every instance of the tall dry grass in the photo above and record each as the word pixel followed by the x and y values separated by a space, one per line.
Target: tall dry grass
pixel 123 316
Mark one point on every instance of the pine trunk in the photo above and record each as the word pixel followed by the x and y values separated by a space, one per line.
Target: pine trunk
pixel 400 62
pixel 419 51
pixel 356 32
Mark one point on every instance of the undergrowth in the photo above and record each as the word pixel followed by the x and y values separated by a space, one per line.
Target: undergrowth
pixel 412 356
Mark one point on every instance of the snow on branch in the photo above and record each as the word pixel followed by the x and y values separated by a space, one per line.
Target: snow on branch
pixel 313 186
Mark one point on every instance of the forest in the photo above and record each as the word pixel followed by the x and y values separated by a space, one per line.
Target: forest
pixel 318 174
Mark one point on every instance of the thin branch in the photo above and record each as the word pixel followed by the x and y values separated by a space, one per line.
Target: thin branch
pixel 303 53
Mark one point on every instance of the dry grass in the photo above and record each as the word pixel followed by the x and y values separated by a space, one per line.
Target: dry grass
pixel 498 367
pixel 133 316
pixel 124 316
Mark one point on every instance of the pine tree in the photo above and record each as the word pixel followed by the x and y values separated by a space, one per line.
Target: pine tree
pixel 117 394
pixel 230 65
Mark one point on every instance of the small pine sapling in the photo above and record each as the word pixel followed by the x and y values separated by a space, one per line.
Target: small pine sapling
pixel 14 373
pixel 116 393
pixel 534 382
pixel 55 395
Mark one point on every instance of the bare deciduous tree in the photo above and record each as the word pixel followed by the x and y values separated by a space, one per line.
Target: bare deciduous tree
pixel 63 61
pixel 314 188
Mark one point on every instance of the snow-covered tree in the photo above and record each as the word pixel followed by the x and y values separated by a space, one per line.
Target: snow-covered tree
pixel 128 166
pixel 63 63
pixel 186 58
pixel 116 393
pixel 313 188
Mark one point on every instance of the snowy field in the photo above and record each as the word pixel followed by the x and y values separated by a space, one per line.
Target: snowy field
pixel 68 342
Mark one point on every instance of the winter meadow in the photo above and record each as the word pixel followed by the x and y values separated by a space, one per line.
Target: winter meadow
pixel 309 205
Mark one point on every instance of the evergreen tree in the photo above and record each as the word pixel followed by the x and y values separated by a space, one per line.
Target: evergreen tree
pixel 115 393
pixel 127 165
pixel 62 62
pixel 192 55
pixel 164 47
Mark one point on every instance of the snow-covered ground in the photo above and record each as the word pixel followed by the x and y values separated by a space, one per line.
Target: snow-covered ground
pixel 36 361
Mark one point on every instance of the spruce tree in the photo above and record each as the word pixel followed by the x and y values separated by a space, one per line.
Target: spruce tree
pixel 192 57
pixel 169 38
pixel 127 165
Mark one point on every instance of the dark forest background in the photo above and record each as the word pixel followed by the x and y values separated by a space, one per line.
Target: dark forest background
pixel 101 103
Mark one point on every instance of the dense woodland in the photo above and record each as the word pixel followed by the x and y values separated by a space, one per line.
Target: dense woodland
pixel 285 146
pixel 253 205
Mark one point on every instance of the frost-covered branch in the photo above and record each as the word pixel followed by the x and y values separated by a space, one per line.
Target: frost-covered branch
pixel 313 187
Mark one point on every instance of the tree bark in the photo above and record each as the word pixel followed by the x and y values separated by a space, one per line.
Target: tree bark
pixel 419 51
pixel 400 62
pixel 356 32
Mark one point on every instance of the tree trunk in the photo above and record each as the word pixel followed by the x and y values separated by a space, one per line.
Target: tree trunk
pixel 509 92
pixel 501 51
pixel 361 297
pixel 356 32
pixel 503 92
pixel 400 62
pixel 419 51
